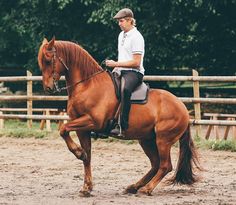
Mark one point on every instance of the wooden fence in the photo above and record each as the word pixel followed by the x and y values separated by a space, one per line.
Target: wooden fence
pixel 196 99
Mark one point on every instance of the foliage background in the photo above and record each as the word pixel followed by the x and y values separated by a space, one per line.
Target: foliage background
pixel 179 35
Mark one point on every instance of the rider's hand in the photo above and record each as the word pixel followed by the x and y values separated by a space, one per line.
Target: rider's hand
pixel 111 63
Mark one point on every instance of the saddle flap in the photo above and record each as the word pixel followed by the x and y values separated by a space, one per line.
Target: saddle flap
pixel 115 77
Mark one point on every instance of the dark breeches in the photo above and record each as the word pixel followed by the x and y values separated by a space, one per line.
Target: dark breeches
pixel 130 80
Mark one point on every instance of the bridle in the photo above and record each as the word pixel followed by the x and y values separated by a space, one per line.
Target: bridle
pixel 56 74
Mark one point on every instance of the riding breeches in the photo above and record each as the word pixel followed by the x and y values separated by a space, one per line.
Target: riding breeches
pixel 130 80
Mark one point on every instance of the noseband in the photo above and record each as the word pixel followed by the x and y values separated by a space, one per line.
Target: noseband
pixel 56 74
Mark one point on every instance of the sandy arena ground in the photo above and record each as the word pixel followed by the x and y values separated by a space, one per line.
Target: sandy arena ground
pixel 43 171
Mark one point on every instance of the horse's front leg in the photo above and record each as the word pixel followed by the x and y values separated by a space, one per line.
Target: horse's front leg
pixel 83 123
pixel 85 141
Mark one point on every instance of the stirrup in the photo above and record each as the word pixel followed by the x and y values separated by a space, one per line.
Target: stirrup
pixel 117 131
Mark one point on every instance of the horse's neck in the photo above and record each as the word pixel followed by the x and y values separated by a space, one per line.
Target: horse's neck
pixel 72 81
pixel 84 76
pixel 82 66
pixel 73 76
pixel 78 84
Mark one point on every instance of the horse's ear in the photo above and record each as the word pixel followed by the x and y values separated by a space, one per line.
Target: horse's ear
pixel 51 43
pixel 47 48
pixel 44 41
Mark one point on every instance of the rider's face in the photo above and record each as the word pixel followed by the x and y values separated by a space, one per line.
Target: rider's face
pixel 125 24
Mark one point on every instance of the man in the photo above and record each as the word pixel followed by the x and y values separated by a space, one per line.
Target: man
pixel 129 64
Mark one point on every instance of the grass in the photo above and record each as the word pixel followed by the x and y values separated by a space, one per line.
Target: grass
pixel 18 129
pixel 224 145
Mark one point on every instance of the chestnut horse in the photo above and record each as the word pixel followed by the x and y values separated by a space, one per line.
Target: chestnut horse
pixel 92 102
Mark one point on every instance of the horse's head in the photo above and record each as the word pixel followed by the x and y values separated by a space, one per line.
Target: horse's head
pixel 51 65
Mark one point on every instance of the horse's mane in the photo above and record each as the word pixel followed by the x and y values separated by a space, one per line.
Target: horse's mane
pixel 76 57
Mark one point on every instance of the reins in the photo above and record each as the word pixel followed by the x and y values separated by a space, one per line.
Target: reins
pixel 81 81
pixel 55 81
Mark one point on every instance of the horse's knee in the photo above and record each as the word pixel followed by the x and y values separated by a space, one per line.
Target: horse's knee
pixel 63 131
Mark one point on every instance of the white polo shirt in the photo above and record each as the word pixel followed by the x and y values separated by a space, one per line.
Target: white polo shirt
pixel 130 43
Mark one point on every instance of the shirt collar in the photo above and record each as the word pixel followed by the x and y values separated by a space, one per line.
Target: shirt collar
pixel 130 32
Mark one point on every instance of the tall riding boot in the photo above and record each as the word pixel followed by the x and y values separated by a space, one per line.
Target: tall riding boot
pixel 124 111
pixel 125 107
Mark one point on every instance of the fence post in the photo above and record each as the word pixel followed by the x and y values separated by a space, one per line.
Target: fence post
pixel 29 102
pixel 227 128
pixel 1 121
pixel 42 122
pixel 216 128
pixel 197 106
pixel 48 122
pixel 209 128
pixel 234 132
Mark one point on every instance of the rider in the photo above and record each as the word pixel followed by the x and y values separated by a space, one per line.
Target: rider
pixel 129 64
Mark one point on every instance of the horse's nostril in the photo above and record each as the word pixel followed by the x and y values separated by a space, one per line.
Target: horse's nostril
pixel 48 89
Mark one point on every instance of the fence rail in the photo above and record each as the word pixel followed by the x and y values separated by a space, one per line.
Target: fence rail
pixel 192 78
pixel 146 78
pixel 196 99
pixel 65 98
pixel 34 117
pixel 32 98
pixel 66 117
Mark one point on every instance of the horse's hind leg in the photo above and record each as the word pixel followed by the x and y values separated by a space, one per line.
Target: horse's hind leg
pixel 165 166
pixel 150 149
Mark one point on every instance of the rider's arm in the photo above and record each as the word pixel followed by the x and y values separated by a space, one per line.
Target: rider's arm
pixel 134 63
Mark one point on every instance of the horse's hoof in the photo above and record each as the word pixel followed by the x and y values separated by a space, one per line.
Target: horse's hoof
pixel 85 193
pixel 130 190
pixel 145 191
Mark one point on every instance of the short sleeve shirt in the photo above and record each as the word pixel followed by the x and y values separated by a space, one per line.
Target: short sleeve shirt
pixel 130 43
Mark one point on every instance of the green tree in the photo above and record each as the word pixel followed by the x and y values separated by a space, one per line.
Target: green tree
pixel 183 33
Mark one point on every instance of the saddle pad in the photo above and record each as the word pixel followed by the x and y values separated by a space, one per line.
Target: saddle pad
pixel 139 96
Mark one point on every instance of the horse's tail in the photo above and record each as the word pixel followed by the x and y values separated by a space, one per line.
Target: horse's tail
pixel 187 158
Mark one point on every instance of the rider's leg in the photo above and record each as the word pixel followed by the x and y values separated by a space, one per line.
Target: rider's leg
pixel 129 81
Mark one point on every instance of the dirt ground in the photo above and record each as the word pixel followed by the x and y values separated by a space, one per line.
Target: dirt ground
pixel 43 171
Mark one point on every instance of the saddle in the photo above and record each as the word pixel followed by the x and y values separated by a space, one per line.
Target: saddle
pixel 140 94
